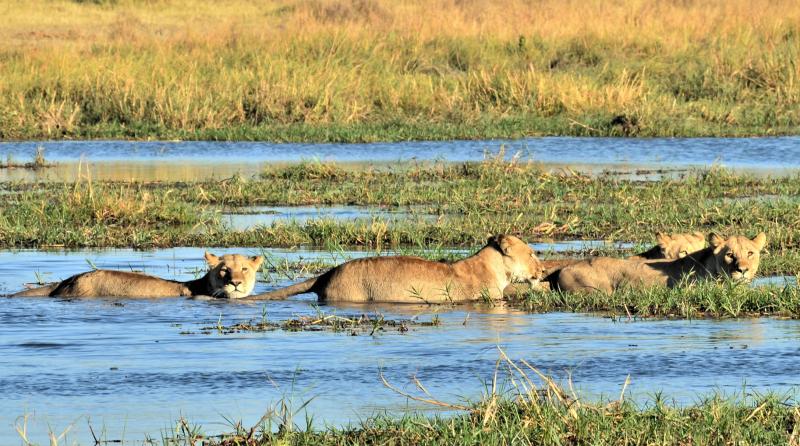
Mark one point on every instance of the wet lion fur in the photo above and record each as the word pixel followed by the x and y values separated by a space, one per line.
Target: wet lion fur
pixel 737 257
pixel 668 247
pixel 405 279
pixel 229 276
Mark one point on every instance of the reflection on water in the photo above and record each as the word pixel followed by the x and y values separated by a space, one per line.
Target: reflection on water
pixel 771 153
pixel 164 160
pixel 775 280
pixel 565 246
pixel 247 218
pixel 127 365
pixel 154 170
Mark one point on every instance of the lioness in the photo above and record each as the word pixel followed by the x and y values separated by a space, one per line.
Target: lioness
pixel 675 246
pixel 404 279
pixel 231 276
pixel 669 247
pixel 737 257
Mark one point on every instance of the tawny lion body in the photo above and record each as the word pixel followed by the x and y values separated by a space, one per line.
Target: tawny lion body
pixel 404 279
pixel 737 257
pixel 668 247
pixel 230 276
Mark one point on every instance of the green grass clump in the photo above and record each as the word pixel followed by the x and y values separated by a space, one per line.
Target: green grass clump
pixel 704 299
pixel 87 214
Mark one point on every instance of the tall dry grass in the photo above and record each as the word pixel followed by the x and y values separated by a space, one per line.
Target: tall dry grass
pixel 367 69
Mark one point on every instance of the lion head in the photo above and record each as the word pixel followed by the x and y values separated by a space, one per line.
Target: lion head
pixel 738 256
pixel 519 260
pixel 232 276
pixel 678 246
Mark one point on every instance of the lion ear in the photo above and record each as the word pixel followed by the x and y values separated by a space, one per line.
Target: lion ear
pixel 506 242
pixel 501 242
pixel 211 259
pixel 699 235
pixel 760 240
pixel 662 239
pixel 257 261
pixel 715 241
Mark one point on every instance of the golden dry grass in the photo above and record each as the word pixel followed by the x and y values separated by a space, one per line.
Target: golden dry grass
pixel 244 68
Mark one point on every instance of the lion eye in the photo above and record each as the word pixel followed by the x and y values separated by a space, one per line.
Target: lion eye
pixel 750 254
pixel 244 270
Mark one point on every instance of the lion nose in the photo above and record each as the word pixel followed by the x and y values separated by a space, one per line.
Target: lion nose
pixel 741 269
pixel 236 283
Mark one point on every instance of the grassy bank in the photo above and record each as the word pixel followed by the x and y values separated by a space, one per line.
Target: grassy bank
pixel 363 70
pixel 537 411
pixel 701 300
pixel 547 421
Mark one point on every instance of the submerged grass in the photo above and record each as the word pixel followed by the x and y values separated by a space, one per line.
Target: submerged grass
pixel 365 70
pixel 98 214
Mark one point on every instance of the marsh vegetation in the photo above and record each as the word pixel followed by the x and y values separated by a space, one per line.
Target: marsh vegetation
pixel 467 201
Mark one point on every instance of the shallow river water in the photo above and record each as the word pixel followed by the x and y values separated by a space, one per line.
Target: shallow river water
pixel 130 368
pixel 189 160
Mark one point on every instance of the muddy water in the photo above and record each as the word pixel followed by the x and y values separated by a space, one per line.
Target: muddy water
pixel 124 160
pixel 127 366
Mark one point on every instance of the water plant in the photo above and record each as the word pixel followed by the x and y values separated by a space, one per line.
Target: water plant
pixel 352 324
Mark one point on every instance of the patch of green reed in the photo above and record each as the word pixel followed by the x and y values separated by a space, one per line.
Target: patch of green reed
pixel 98 214
pixel 502 185
pixel 704 299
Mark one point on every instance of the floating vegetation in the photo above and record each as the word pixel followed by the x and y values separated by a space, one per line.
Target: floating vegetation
pixel 353 324
pixel 560 207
